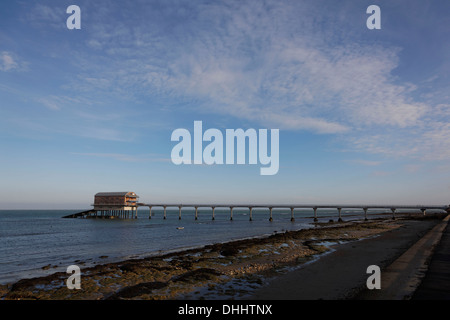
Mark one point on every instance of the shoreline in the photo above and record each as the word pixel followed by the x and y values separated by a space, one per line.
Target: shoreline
pixel 228 270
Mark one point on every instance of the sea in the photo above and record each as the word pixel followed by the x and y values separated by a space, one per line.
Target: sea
pixel 36 243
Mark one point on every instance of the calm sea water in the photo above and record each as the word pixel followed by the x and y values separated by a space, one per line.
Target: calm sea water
pixel 33 239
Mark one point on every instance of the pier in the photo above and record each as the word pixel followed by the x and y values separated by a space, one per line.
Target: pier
pixel 124 205
pixel 422 208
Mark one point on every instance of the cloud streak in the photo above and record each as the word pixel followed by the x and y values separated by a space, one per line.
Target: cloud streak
pixel 125 157
pixel 9 62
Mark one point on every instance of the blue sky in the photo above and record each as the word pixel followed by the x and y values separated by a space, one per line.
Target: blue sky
pixel 363 114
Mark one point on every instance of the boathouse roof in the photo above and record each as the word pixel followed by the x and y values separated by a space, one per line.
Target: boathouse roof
pixel 115 194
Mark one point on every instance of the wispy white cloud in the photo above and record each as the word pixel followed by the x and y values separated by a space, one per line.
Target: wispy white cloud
pixel 126 157
pixel 412 168
pixel 102 133
pixel 58 102
pixel 370 163
pixel 382 173
pixel 9 61
pixel 42 15
pixel 52 103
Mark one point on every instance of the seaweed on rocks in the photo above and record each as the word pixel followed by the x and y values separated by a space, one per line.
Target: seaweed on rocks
pixel 137 290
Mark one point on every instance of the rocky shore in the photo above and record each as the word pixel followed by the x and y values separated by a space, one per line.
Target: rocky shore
pixel 210 272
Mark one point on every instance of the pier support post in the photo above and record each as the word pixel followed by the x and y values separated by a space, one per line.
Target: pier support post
pixel 340 218
pixel 165 207
pixel 135 212
pixel 179 212
pixel 315 214
pixel 365 214
pixel 231 213
pixel 196 213
pixel 213 209
pixel 270 217
pixel 292 215
pixel 251 209
pixel 393 213
pixel 150 213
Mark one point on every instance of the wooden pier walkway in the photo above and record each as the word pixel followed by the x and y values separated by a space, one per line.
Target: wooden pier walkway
pixel 81 214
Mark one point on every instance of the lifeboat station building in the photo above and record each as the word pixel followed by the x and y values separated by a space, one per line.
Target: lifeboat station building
pixel 116 204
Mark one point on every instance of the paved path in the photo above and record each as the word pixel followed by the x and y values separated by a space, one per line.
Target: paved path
pixel 401 279
pixel 436 283
pixel 341 274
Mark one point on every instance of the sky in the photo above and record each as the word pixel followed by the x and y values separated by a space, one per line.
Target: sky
pixel 363 114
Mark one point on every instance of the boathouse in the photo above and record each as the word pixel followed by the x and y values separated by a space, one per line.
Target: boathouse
pixel 119 204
